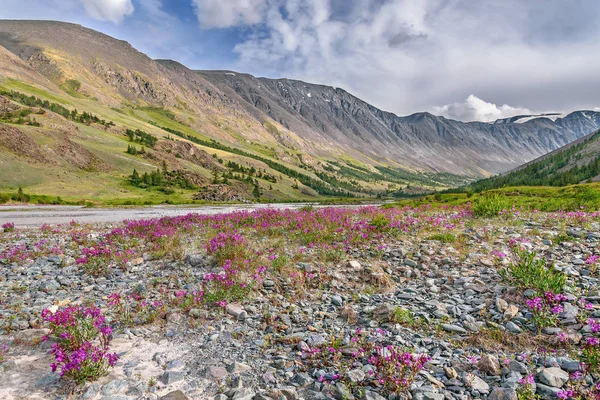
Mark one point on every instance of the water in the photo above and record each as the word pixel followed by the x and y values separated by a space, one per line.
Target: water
pixel 37 215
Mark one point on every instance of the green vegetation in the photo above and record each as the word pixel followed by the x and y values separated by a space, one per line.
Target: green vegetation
pixel 139 136
pixel 72 87
pixel 131 149
pixel 20 117
pixel 443 237
pixel 321 187
pixel 492 202
pixel 73 115
pixel 565 167
pixel 530 272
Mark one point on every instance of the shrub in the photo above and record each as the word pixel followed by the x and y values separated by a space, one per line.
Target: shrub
pixel 545 309
pixel 227 246
pixel 491 206
pixel 591 347
pixel 380 221
pixel 393 369
pixel 8 227
pixel 81 350
pixel 443 237
pixel 530 272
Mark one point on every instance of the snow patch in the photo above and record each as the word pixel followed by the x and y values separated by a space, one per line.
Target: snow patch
pixel 552 117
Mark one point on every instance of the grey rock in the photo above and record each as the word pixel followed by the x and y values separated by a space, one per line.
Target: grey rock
pixel 370 395
pixel 547 392
pixel 512 327
pixel 554 377
pixel 453 328
pixel 503 394
pixel 114 387
pixel 341 392
pixel 243 394
pixel 336 300
pixel 170 377
pixel 175 395
pixel 92 391
pixel 476 383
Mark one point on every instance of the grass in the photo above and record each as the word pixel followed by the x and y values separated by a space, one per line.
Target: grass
pixel 530 272
pixel 542 198
pixel 443 237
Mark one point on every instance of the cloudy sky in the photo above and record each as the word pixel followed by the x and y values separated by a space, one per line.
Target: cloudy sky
pixel 464 59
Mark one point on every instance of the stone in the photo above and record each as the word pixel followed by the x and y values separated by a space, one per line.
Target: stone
pixel 243 394
pixel 513 328
pixel 175 395
pixel 238 368
pixel 315 340
pixel 503 394
pixel 237 311
pixel 216 373
pixel 410 263
pixel 476 383
pixel 49 286
pixel 114 387
pixel 170 377
pixel 341 392
pixel 369 395
pixel 302 379
pixel 91 392
pixel 489 365
pixel 450 373
pixel 356 375
pixel 195 260
pixel 383 312
pixel 547 392
pixel 554 377
pixel 501 305
pixel 336 300
pixel 518 366
pixel 31 336
pixel 511 312
pixel 453 328
pixel 175 365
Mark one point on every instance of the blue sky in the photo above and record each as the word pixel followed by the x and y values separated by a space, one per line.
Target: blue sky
pixel 465 59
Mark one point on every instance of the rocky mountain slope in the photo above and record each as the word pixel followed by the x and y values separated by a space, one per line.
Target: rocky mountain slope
pixel 577 162
pixel 300 140
pixel 421 140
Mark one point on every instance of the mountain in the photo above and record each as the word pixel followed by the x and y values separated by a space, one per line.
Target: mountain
pixel 420 141
pixel 577 162
pixel 101 109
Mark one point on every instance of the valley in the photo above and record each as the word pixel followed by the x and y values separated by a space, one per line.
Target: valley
pixel 264 140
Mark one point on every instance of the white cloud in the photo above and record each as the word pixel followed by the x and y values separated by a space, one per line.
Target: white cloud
pixel 227 13
pixel 409 55
pixel 475 109
pixel 108 10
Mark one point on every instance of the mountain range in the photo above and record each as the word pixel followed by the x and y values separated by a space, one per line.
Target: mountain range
pixel 278 139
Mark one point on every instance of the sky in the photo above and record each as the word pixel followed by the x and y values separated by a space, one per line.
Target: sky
pixel 463 59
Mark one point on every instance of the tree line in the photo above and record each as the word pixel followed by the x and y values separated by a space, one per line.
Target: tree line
pixel 320 187
pixel 73 115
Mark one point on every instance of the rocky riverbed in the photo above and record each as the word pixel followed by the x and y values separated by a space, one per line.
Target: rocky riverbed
pixel 312 304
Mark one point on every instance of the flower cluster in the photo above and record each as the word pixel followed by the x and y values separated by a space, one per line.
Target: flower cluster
pixel 590 352
pixel 391 368
pixel 546 309
pixel 8 227
pixel 81 350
